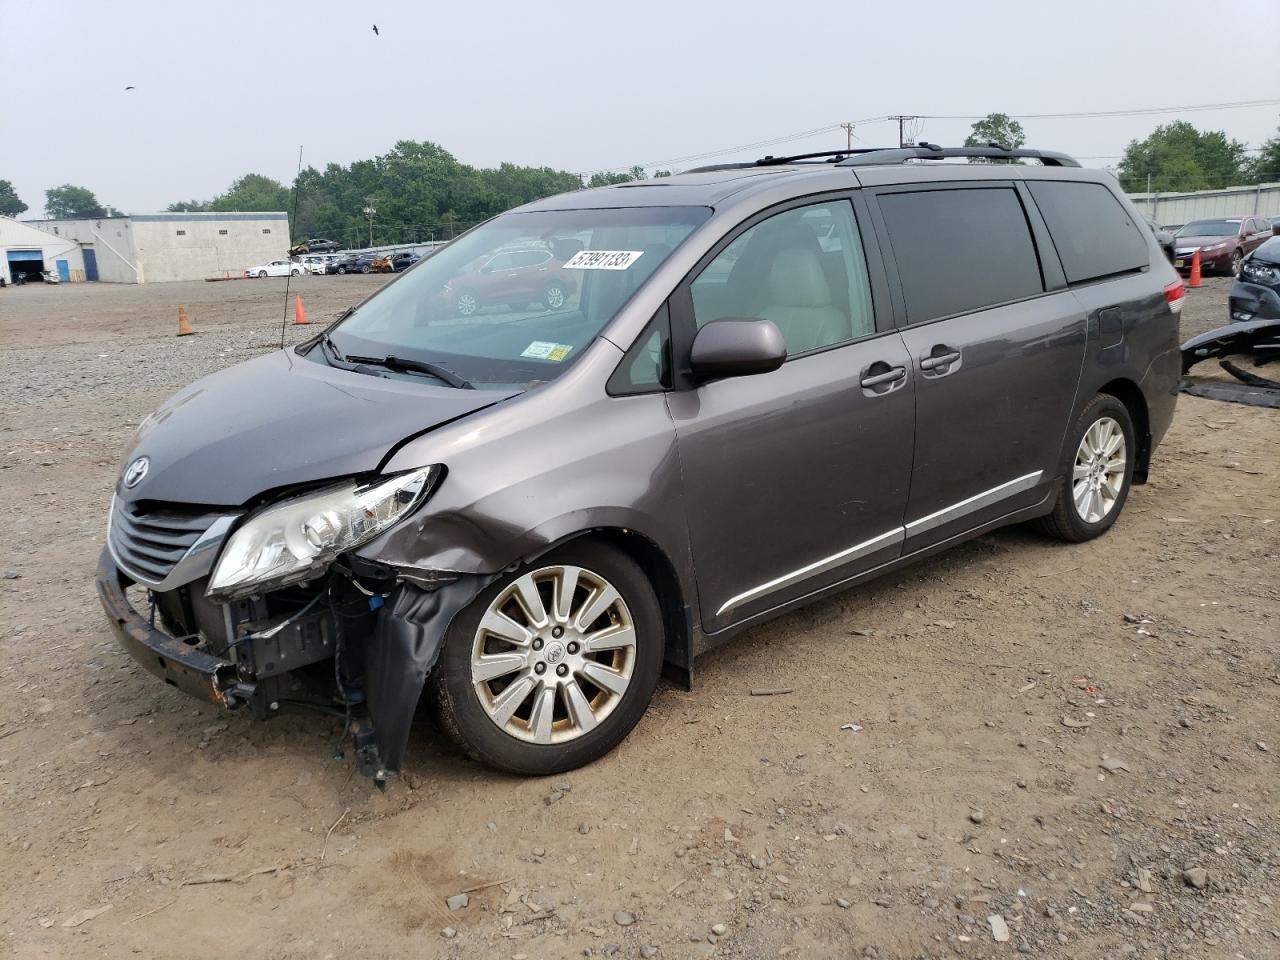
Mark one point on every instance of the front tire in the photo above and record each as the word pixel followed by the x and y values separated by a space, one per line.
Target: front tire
pixel 554 296
pixel 551 666
pixel 467 304
pixel 1096 474
pixel 1237 258
pixel 261 274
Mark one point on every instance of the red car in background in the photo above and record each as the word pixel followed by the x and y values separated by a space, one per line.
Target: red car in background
pixel 513 277
pixel 1223 243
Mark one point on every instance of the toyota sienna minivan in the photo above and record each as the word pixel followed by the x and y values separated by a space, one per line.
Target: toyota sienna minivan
pixel 765 382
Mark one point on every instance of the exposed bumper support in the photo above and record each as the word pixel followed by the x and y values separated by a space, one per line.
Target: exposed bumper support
pixel 192 671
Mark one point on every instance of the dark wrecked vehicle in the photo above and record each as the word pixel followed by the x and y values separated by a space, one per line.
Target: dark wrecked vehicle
pixel 767 382
pixel 1255 293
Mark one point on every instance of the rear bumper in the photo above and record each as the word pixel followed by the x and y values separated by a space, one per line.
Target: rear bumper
pixel 178 664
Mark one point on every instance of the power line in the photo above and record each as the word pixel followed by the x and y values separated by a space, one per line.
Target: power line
pixel 1094 114
pixel 903 119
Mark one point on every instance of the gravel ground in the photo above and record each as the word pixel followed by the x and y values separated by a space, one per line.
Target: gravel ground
pixel 1069 746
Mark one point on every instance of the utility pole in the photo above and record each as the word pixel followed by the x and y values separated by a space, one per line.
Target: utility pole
pixel 902 137
pixel 848 129
pixel 369 211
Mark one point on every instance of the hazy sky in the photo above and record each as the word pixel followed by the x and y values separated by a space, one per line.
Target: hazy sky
pixel 229 88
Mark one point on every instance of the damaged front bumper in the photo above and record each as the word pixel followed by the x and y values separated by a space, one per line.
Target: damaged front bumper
pixel 179 664
pixel 243 653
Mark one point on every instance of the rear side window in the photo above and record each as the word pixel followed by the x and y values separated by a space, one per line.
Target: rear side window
pixel 1094 234
pixel 960 250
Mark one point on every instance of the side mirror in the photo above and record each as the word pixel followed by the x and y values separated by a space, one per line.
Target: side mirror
pixel 736 348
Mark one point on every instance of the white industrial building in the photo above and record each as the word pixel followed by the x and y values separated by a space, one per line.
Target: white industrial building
pixel 155 247
pixel 26 250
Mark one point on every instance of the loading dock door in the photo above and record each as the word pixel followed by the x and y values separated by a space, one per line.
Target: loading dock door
pixel 28 262
pixel 90 264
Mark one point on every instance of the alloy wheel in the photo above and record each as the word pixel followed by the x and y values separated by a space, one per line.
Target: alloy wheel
pixel 554 654
pixel 1236 259
pixel 1098 475
pixel 467 304
pixel 555 297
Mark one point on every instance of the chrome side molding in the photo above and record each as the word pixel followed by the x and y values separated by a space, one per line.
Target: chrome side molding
pixel 890 538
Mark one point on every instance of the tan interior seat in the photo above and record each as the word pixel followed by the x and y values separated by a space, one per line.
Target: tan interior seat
pixel 800 304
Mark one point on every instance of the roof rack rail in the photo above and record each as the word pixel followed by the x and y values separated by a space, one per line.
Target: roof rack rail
pixel 931 151
pixel 868 156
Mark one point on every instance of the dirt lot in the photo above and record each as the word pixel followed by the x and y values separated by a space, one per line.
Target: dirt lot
pixel 991 690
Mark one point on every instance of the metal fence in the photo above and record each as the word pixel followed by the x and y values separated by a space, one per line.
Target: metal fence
pixel 1175 209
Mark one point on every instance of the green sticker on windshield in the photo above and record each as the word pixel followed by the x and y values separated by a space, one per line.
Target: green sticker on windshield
pixel 546 350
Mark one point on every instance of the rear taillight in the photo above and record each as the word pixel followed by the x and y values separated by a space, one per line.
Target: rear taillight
pixel 1174 294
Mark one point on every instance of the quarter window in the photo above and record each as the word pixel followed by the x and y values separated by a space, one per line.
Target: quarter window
pixel 802 269
pixel 1094 234
pixel 960 250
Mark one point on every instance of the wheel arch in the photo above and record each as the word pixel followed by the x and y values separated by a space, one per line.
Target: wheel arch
pixel 677 613
pixel 1130 394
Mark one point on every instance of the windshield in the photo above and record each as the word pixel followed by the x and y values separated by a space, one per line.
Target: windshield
pixel 1210 228
pixel 519 298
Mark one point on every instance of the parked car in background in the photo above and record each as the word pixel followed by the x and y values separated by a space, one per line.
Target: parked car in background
pixel 1223 243
pixel 1163 237
pixel 512 277
pixel 315 246
pixel 401 260
pixel 1255 294
pixel 1275 226
pixel 315 265
pixel 276 268
pixel 355 263
pixel 532 513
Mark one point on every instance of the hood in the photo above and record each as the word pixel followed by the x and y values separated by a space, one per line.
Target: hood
pixel 281 420
pixel 1191 243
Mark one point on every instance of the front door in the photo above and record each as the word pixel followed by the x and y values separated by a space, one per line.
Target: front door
pixel 796 479
pixel 997 359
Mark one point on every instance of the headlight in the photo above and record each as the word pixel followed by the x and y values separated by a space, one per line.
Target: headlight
pixel 1215 248
pixel 1260 273
pixel 297 539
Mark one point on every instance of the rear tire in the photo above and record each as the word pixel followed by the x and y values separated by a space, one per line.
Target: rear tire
pixel 1095 474
pixel 583 720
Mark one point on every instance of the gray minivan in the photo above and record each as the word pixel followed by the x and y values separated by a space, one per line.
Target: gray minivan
pixel 755 385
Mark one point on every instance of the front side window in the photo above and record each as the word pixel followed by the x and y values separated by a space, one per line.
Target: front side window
pixel 960 250
pixel 516 300
pixel 802 269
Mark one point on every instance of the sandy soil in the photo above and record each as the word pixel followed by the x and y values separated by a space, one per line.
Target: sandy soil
pixel 1045 734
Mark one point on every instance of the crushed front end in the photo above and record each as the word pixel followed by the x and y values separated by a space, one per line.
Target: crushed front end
pixel 267 610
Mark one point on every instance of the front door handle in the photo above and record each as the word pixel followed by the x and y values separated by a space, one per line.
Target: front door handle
pixel 934 361
pixel 892 375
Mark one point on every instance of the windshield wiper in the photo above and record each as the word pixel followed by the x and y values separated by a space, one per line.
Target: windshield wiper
pixel 327 342
pixel 416 366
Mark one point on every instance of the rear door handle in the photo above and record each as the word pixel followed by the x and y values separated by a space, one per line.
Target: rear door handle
pixel 892 375
pixel 939 360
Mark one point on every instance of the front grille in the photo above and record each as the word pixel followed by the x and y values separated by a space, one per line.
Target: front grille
pixel 150 542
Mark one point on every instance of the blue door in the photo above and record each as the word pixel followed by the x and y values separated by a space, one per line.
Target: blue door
pixel 90 264
pixel 64 273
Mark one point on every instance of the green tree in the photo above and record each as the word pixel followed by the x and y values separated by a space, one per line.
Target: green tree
pixel 995 128
pixel 252 192
pixel 10 205
pixel 661 173
pixel 1179 158
pixel 69 202
pixel 1264 168
pixel 188 206
pixel 608 179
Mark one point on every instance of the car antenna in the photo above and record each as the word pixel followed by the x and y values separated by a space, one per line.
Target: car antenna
pixel 293 218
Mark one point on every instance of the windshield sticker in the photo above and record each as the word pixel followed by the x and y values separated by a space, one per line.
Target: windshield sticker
pixel 603 259
pixel 546 350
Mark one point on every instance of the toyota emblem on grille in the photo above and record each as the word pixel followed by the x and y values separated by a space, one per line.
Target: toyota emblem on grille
pixel 134 473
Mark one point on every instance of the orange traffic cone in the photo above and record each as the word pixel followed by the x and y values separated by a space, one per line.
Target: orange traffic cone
pixel 299 315
pixel 184 327
pixel 1194 279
